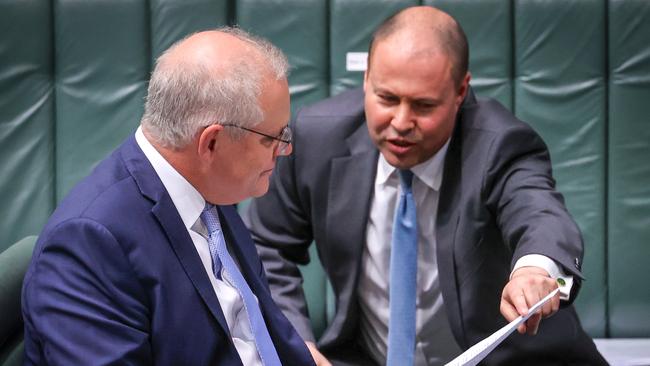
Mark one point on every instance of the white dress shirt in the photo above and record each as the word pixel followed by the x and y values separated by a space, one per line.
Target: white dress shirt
pixel 434 344
pixel 190 204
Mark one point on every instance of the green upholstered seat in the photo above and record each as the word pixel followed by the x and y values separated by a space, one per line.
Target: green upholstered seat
pixel 13 264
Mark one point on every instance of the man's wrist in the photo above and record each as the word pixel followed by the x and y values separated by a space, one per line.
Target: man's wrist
pixel 565 282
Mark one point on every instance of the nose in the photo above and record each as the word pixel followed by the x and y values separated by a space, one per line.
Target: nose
pixel 402 121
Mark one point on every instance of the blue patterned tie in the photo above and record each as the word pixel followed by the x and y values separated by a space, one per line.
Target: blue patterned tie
pixel 403 278
pixel 220 257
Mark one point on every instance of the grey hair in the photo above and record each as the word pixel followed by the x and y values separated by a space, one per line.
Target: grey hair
pixel 184 97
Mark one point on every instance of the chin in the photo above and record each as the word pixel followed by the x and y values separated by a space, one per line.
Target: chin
pixel 259 194
pixel 261 189
pixel 400 163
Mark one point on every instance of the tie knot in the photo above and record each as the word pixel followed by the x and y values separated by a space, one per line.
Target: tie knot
pixel 406 179
pixel 210 218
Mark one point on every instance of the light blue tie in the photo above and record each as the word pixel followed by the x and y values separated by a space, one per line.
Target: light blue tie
pixel 403 277
pixel 221 257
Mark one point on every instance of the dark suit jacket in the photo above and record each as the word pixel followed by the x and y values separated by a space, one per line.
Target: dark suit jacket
pixel 497 203
pixel 115 279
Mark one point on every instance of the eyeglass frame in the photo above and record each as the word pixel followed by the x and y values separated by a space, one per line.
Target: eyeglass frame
pixel 285 130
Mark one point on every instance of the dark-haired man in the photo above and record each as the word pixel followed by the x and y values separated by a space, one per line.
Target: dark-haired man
pixel 435 214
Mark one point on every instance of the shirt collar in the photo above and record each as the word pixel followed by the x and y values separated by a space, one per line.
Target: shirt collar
pixel 186 198
pixel 429 171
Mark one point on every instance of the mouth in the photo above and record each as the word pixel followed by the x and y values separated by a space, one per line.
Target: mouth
pixel 399 146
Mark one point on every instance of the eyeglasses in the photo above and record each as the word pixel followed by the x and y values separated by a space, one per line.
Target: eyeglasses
pixel 284 137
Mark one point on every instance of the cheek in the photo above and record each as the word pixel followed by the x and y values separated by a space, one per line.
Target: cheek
pixel 438 128
pixel 378 118
pixel 259 162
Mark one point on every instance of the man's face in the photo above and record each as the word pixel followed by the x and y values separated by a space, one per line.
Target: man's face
pixel 411 102
pixel 245 165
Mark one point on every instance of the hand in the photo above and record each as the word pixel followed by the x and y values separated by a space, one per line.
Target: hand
pixel 318 357
pixel 527 286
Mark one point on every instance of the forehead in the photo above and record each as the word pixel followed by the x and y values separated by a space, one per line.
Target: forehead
pixel 407 68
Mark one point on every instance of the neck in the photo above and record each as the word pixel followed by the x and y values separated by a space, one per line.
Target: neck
pixel 183 160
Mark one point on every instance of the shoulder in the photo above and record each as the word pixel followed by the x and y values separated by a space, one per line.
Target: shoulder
pixel 98 221
pixel 344 105
pixel 345 109
pixel 488 116
pixel 107 196
pixel 489 135
pixel 325 126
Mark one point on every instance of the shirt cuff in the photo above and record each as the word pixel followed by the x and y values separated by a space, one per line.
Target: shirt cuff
pixel 565 282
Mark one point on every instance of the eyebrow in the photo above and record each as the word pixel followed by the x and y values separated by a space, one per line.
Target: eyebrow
pixel 424 100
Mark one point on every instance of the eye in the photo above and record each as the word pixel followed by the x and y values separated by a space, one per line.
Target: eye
pixel 267 141
pixel 423 106
pixel 387 98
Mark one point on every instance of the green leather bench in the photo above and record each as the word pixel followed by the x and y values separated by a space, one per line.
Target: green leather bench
pixel 73 75
pixel 13 264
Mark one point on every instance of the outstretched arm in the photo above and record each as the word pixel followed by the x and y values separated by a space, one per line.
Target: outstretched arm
pixel 533 221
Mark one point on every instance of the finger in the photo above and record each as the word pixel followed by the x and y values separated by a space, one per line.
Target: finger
pixel 508 309
pixel 532 324
pixel 318 357
pixel 522 328
pixel 553 304
pixel 520 302
pixel 532 296
pixel 556 303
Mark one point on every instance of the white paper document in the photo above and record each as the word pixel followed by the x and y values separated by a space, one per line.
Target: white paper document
pixel 478 351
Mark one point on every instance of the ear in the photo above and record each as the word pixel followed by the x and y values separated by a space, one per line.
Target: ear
pixel 463 88
pixel 365 81
pixel 207 141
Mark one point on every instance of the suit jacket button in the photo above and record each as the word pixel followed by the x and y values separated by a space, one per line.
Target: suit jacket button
pixel 577 263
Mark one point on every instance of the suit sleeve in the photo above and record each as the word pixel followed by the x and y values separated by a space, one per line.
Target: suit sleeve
pixel 280 226
pixel 81 301
pixel 530 212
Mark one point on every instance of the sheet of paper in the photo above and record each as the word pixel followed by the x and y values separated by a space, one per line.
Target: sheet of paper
pixel 477 352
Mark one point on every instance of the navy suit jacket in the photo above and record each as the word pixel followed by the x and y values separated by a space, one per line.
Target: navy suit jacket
pixel 116 279
pixel 497 203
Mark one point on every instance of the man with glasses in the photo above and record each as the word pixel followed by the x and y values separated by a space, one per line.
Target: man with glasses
pixel 284 137
pixel 147 261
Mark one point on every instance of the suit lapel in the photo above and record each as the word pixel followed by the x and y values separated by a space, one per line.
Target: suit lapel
pixel 447 223
pixel 172 224
pixel 184 248
pixel 350 191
